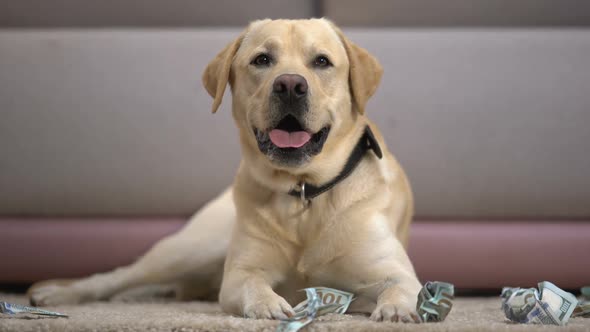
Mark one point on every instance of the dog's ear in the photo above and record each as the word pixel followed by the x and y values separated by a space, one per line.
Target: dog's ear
pixel 365 72
pixel 216 75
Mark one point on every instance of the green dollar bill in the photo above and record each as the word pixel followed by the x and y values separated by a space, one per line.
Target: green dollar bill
pixel 582 310
pixel 550 305
pixel 320 301
pixel 507 291
pixel 332 300
pixel 561 303
pixel 435 301
pixel 541 314
pixel 519 302
pixel 294 325
pixel 12 309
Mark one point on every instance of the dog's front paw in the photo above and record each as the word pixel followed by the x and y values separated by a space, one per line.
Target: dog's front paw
pixel 400 312
pixel 54 294
pixel 272 307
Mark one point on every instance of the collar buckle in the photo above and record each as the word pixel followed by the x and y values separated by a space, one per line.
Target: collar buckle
pixel 301 187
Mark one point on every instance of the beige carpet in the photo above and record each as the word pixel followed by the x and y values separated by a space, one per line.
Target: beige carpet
pixel 468 314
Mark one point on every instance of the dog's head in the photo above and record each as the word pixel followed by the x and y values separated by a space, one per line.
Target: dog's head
pixel 298 88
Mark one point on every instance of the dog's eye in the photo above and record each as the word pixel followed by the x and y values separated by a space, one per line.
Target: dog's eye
pixel 261 60
pixel 322 62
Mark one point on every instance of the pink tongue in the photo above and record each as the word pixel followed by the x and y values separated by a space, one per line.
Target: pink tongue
pixel 285 139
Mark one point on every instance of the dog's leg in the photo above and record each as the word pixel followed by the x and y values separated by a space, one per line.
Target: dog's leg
pixel 255 266
pixel 394 285
pixel 197 251
pixel 396 288
pixel 397 296
pixel 386 287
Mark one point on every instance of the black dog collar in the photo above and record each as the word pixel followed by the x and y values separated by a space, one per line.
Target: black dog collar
pixel 367 142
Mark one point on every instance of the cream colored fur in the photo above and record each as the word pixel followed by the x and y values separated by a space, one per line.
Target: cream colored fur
pixel 259 245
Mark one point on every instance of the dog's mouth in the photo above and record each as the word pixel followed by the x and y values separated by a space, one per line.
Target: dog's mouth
pixel 290 137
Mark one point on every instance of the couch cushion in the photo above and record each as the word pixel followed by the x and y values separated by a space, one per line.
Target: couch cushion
pixel 116 122
pixel 488 122
pixel 111 123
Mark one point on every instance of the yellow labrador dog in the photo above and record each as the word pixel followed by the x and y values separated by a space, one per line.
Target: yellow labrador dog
pixel 317 200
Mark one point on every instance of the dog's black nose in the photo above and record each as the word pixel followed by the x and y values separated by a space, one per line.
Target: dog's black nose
pixel 290 87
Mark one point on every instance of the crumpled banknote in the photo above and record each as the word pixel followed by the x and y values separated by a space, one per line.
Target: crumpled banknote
pixel 434 304
pixel 583 307
pixel 320 301
pixel 549 305
pixel 13 309
pixel 435 301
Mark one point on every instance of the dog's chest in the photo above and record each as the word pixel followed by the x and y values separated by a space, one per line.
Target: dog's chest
pixel 302 221
pixel 322 241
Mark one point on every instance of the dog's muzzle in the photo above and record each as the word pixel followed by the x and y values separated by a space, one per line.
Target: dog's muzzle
pixel 289 143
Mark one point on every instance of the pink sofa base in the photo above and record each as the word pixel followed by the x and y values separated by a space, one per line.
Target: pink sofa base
pixel 476 255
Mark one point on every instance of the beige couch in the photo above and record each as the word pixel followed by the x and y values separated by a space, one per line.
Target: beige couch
pixel 105 128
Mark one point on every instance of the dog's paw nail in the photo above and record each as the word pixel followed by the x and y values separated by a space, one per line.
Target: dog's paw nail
pixel 270 309
pixel 395 313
